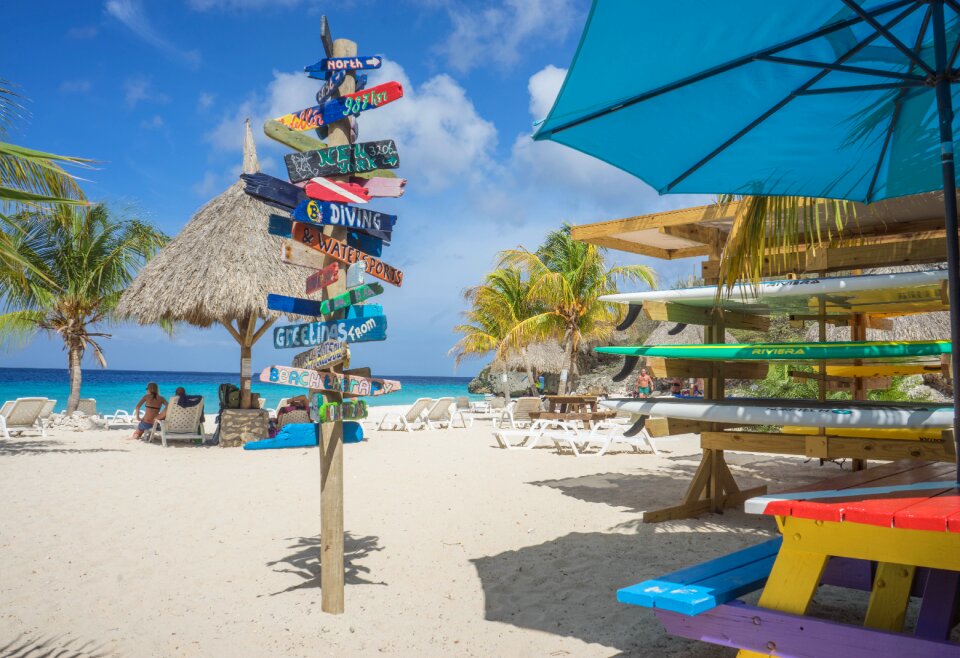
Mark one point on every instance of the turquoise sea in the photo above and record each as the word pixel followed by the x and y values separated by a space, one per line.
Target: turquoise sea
pixel 121 389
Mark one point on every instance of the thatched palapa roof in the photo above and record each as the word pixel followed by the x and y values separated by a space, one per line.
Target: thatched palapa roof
pixel 220 267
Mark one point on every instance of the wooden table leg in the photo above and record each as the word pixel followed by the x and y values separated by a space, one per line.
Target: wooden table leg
pixel 792 583
pixel 939 604
pixel 889 597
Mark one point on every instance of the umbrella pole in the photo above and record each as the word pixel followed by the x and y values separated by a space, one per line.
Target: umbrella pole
pixel 945 111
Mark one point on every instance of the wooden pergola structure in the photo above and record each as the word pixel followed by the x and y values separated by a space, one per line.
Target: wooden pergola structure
pixel 904 231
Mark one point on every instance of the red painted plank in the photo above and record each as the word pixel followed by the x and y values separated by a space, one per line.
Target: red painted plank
pixel 930 514
pixel 880 509
pixel 953 523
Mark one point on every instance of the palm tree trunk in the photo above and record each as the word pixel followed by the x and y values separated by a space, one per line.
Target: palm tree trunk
pixel 75 348
pixel 530 377
pixel 568 348
pixel 506 383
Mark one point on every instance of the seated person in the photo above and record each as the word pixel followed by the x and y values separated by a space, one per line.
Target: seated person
pixel 153 403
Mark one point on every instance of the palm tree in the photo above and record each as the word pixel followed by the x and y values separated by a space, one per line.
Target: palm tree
pixel 77 264
pixel 567 277
pixel 496 306
pixel 29 179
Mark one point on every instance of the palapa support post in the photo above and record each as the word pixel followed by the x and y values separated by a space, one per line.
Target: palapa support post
pixel 858 332
pixel 331 434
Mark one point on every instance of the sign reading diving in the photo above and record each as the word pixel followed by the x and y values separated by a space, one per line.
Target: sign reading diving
pixel 338 214
pixel 355 330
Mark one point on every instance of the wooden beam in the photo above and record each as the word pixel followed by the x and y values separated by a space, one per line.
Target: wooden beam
pixel 233 332
pixel 827 447
pixel 632 247
pixel 669 312
pixel 661 367
pixel 659 427
pixel 872 321
pixel 655 220
pixel 263 328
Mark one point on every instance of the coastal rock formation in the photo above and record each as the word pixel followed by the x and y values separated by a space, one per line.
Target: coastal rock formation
pixel 77 422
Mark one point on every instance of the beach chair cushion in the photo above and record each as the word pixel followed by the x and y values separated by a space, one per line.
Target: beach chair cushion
pixel 702 587
pixel 291 435
pixel 22 414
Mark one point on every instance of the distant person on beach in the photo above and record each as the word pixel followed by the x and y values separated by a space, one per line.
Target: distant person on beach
pixel 152 403
pixel 644 387
pixel 676 386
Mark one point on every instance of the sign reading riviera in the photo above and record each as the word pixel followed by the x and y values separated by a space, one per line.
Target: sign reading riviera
pixel 357 330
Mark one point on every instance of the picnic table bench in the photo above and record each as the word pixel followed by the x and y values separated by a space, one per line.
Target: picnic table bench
pixel 893 530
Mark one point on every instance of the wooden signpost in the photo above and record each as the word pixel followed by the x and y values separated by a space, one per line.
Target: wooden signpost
pixel 334 64
pixel 322 278
pixel 330 412
pixel 338 214
pixel 354 330
pixel 340 160
pixel 321 189
pixel 335 236
pixel 342 107
pixel 328 381
pixel 326 307
pixel 326 355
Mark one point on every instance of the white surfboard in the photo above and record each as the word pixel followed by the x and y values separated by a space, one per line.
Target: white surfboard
pixel 902 292
pixel 748 411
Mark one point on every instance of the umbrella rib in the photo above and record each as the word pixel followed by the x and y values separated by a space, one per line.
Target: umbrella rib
pixel 789 97
pixel 906 84
pixel 723 68
pixel 842 68
pixel 899 45
pixel 897 106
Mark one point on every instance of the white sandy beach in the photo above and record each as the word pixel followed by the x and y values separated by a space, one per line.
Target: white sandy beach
pixel 454 547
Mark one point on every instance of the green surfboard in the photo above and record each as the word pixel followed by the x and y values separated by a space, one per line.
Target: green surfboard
pixel 884 350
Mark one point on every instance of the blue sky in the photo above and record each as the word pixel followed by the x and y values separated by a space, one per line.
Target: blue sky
pixel 157 92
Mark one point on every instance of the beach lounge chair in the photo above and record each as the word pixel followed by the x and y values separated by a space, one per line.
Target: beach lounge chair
pixel 409 420
pixel 462 410
pixel 604 435
pixel 528 438
pixel 119 419
pixel 280 405
pixel 87 406
pixel 439 415
pixel 22 415
pixel 518 414
pixel 181 423
pixel 46 412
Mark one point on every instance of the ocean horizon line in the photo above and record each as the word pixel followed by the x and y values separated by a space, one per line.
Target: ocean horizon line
pixel 200 372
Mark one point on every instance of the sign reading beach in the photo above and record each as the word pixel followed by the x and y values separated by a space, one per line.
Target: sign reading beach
pixel 328 381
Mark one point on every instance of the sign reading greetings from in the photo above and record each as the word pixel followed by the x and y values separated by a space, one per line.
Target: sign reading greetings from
pixel 327 354
pixel 328 381
pixel 353 330
pixel 343 106
pixel 341 160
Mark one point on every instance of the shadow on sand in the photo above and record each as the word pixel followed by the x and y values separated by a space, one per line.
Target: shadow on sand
pixel 304 561
pixel 44 447
pixel 52 647
pixel 568 586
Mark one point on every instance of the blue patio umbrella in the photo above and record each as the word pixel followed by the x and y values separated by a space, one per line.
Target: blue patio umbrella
pixel 845 99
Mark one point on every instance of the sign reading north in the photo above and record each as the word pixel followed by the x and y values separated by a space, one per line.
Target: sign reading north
pixel 341 160
pixel 337 108
pixel 355 330
pixel 328 381
pixel 346 64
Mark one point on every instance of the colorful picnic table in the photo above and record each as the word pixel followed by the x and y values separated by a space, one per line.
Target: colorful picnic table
pixel 892 530
pixel 903 516
pixel 572 403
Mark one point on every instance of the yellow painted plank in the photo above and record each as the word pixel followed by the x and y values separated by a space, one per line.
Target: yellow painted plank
pixel 871 433
pixel 889 597
pixel 922 548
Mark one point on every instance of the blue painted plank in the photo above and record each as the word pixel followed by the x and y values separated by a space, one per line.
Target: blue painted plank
pixel 368 244
pixel 362 238
pixel 295 305
pixel 727 562
pixel 364 311
pixel 326 213
pixel 359 63
pixel 355 330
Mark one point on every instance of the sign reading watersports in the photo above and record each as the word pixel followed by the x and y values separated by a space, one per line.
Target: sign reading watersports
pixel 356 330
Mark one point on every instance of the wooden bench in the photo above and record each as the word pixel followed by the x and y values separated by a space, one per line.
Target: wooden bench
pixel 705 586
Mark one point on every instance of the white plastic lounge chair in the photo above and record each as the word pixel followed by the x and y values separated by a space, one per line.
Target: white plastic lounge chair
pixel 46 412
pixel 87 406
pixel 181 423
pixel 462 410
pixel 119 419
pixel 22 415
pixel 409 420
pixel 439 416
pixel 605 435
pixel 528 438
pixel 518 414
pixel 280 405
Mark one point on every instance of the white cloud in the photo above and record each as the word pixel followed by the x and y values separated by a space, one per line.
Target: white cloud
pixel 438 131
pixel 82 32
pixel 205 101
pixel 153 123
pixel 497 32
pixel 209 186
pixel 75 86
pixel 141 89
pixel 131 14
pixel 544 85
pixel 239 5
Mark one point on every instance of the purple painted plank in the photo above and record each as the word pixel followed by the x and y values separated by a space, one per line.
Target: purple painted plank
pixel 858 574
pixel 742 626
pixel 939 604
